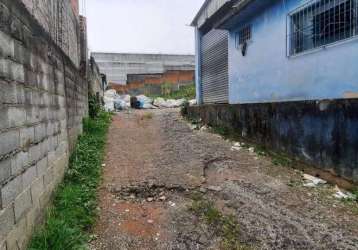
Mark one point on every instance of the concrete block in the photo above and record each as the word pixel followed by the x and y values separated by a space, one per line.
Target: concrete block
pixel 44 147
pixel 11 190
pixel 4 121
pixel 7 221
pixel 4 68
pixel 6 45
pixel 29 176
pixel 42 166
pixel 16 116
pixel 51 113
pixel 12 93
pixel 61 102
pixel 17 72
pixel 44 114
pixel 20 94
pixel 35 153
pixel 28 95
pixel 3 245
pixel 35 97
pixel 50 129
pixel 45 198
pixel 62 114
pixel 62 149
pixel 37 188
pixel 9 92
pixel 17 238
pixel 43 80
pixel 60 168
pixel 21 54
pixel 5 170
pixel 40 132
pixel 10 141
pixel 51 157
pixel 33 218
pixel 27 137
pixel 32 115
pixel 52 143
pixel 19 162
pixel 30 79
pixel 48 177
pixel 22 204
pixel 45 100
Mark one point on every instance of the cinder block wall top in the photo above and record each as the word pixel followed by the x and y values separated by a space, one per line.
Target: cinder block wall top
pixel 43 99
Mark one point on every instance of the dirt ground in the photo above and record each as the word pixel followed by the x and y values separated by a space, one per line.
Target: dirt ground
pixel 155 162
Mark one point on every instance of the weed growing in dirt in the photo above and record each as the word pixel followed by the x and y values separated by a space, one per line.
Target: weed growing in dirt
pixel 74 206
pixel 184 109
pixel 354 199
pixel 188 92
pixel 352 203
pixel 225 226
pixel 223 131
pixel 148 116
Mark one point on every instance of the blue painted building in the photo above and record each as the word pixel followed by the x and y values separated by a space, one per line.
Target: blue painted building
pixel 283 73
pixel 294 49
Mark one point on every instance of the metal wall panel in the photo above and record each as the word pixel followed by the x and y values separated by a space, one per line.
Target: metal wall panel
pixel 214 67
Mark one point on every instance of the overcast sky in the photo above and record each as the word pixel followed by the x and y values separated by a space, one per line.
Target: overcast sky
pixel 144 26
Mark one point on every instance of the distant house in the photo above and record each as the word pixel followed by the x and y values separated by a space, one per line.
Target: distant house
pixel 283 73
pixel 117 66
pixel 137 74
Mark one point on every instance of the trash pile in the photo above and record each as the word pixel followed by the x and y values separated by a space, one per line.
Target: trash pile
pixel 312 181
pixel 113 102
pixel 340 194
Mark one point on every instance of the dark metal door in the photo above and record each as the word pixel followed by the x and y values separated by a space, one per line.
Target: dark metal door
pixel 214 67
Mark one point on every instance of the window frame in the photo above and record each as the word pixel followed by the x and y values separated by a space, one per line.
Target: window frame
pixel 290 33
pixel 238 35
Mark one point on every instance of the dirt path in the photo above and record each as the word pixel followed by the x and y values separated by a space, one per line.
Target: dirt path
pixel 155 163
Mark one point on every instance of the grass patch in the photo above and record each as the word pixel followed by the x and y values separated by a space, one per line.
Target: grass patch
pixel 188 92
pixel 355 193
pixel 225 226
pixel 74 207
pixel 223 131
pixel 352 203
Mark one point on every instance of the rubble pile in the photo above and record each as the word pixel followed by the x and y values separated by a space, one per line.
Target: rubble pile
pixel 115 102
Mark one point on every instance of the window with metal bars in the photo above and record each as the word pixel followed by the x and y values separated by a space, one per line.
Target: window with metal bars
pixel 243 36
pixel 323 22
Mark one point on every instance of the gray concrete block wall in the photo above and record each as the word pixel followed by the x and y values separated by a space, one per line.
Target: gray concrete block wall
pixel 57 18
pixel 43 99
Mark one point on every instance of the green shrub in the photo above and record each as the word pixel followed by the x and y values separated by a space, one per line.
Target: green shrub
pixel 188 92
pixel 94 106
pixel 74 206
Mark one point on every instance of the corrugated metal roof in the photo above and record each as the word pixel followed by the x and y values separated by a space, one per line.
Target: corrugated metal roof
pixel 207 10
pixel 210 7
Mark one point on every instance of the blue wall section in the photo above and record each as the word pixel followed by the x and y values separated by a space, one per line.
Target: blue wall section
pixel 198 66
pixel 266 74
